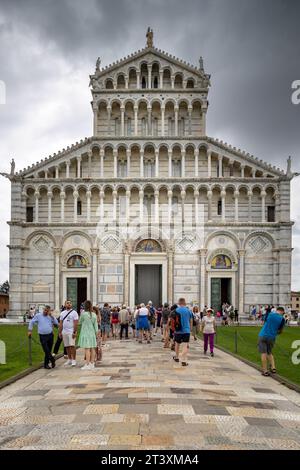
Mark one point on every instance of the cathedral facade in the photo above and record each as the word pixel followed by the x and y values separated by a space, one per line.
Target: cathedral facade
pixel 150 207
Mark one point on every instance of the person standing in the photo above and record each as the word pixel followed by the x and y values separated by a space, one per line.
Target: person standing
pixel 183 327
pixel 273 326
pixel 98 351
pixel 105 322
pixel 196 321
pixel 143 323
pixel 124 321
pixel 158 320
pixel 68 331
pixel 114 321
pixel 208 327
pixel 151 317
pixel 59 339
pixel 88 335
pixel 45 322
pixel 165 324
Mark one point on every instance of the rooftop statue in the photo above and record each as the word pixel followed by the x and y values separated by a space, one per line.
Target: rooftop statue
pixel 149 37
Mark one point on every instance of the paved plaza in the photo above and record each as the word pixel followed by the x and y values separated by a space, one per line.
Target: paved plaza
pixel 141 399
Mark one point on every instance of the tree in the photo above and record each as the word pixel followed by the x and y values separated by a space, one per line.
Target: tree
pixel 4 288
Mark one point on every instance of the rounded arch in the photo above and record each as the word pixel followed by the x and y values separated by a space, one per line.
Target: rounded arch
pixel 31 186
pixel 40 187
pixel 109 147
pixel 261 233
pixel 142 101
pixel 163 186
pixel 216 186
pixel 109 83
pixel 155 243
pixel 128 101
pixel 135 145
pixel 56 186
pixel 218 233
pixel 151 145
pixel 197 101
pixel 171 101
pixel 121 186
pixel 40 232
pixel 183 101
pixel 95 145
pixel 203 145
pixel 243 186
pixel 135 186
pixel 164 146
pixel 116 101
pixel 230 186
pixel 225 252
pixel 72 233
pixel 271 186
pixel 177 145
pixel 108 186
pixel 102 101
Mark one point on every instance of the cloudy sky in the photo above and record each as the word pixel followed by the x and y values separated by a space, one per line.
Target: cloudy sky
pixel 49 47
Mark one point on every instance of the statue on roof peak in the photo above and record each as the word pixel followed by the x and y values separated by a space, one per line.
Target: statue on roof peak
pixel 149 37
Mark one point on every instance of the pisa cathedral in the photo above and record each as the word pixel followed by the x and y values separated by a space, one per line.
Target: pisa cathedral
pixel 150 207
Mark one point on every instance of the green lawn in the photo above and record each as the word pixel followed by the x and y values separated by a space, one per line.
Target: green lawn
pixel 17 347
pixel 247 337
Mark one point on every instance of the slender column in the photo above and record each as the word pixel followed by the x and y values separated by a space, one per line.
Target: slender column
pixel 252 172
pixel 109 120
pixel 56 279
pixel 57 172
pixel 46 174
pixel 170 276
pixel 141 196
pixel 90 164
pixel 94 275
pixel 183 164
pixel 223 196
pixel 49 194
pixel 250 194
pixel 122 120
pixel 242 171
pixel 115 194
pixel 161 79
pixel 102 163
pixel 170 162
pixel 126 276
pixel 149 76
pixel 126 82
pixel 176 120
pixel 156 214
pixel 196 163
pixel 78 167
pixel 204 110
pixel 156 164
pixel 95 111
pixel 236 206
pixel 231 169
pixel 183 195
pixel 196 197
pixel 101 215
pixel 136 120
pixel 220 166
pixel 209 163
pixel 277 206
pixel 241 254
pixel 128 155
pixel 115 154
pixel 163 121
pixel 128 194
pixel 37 196
pixel 190 109
pixel 263 206
pixel 88 206
pixel 62 206
pixel 68 169
pixel 149 109
pixel 203 302
pixel 138 79
pixel 209 198
pixel 172 81
pixel 75 198
pixel 170 198
pixel 142 163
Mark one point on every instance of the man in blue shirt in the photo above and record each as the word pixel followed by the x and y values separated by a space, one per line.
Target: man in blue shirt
pixel 45 322
pixel 184 320
pixel 273 326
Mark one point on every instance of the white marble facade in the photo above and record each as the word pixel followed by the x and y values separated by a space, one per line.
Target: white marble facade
pixel 150 172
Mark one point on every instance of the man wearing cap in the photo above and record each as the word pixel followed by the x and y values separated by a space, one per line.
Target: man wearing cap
pixel 124 321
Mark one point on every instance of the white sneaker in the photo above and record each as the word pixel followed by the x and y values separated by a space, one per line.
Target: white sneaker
pixel 85 367
pixel 73 363
pixel 68 363
pixel 91 366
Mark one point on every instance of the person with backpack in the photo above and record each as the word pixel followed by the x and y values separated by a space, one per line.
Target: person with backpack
pixel 88 335
pixel 183 327
pixel 68 331
pixel 151 316
pixel 114 321
pixel 165 314
pixel 171 327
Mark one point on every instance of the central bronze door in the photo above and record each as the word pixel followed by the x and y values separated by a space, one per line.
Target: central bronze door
pixel 148 282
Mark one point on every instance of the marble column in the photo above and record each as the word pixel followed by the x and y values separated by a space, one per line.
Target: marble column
pixel 161 79
pixel 90 154
pixel 196 163
pixel 68 169
pixel 172 81
pixel 128 195
pixel 95 275
pixel 263 206
pixel 78 167
pixel 203 255
pixel 196 198
pixel 95 112
pixel 126 276
pixel 62 206
pixel 37 197
pixel 209 163
pixel 101 215
pixel 56 172
pixel 109 120
pixel 136 120
pixel 156 163
pixel 142 163
pixel 170 200
pixel 170 276
pixel 88 206
pixel 242 171
pixel 57 302
pixel 49 194
pixel 204 111
pixel 128 155
pixel 138 80
pixel 163 121
pixel 241 254
pixel 115 154
pixel 102 163
pixel 277 206
pixel 183 163
pixel 156 213
pixel 122 120
pixel 149 109
pixel 149 76
pixel 190 109
pixel 209 198
pixel 176 109
pixel 75 198
pixel 223 197
pixel 250 194
pixel 183 196
pixel 220 166
pixel 170 152
pixel 236 205
pixel 141 196
pixel 126 82
pixel 115 194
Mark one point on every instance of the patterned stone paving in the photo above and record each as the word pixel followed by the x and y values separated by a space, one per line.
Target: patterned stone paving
pixel 141 399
